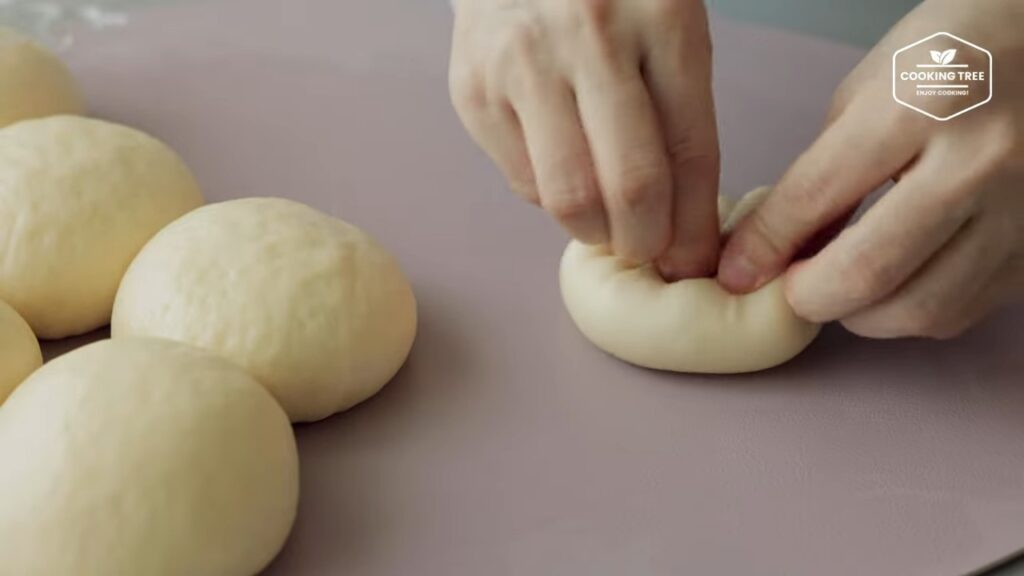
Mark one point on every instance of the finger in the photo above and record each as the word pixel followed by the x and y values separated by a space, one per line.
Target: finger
pixel 493 125
pixel 848 161
pixel 630 160
pixel 895 238
pixel 498 133
pixel 824 237
pixel 945 296
pixel 678 74
pixel 560 156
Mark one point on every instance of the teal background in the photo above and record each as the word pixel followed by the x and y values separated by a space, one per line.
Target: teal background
pixel 858 22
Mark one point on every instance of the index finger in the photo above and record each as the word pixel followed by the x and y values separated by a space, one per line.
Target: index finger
pixel 856 154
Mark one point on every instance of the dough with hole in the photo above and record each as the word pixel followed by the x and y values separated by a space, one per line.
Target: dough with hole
pixel 687 326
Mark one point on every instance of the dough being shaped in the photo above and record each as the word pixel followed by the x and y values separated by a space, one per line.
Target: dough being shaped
pixel 19 350
pixel 33 82
pixel 687 326
pixel 78 199
pixel 141 456
pixel 310 305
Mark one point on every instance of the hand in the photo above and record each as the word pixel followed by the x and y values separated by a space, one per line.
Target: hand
pixel 601 112
pixel 945 245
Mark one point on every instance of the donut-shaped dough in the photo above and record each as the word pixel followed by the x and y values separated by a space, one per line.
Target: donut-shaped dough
pixel 19 350
pixel 33 82
pixel 687 326
pixel 78 199
pixel 310 305
pixel 142 456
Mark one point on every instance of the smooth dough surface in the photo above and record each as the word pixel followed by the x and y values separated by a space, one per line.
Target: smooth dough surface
pixel 687 326
pixel 310 305
pixel 19 350
pixel 33 82
pixel 78 199
pixel 141 456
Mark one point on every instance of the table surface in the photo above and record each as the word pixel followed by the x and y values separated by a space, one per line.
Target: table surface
pixel 858 22
pixel 509 445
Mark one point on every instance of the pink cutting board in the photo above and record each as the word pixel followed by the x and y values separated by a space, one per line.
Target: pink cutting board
pixel 508 445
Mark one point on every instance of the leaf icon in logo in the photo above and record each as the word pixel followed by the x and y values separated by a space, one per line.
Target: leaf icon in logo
pixel 936 56
pixel 948 55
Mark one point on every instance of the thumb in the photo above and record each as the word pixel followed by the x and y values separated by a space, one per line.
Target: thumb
pixel 846 163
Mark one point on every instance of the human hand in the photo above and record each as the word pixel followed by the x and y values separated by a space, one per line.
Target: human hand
pixel 945 245
pixel 601 112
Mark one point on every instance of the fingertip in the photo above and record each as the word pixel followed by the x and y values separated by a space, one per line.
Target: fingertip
pixel 793 289
pixel 737 273
pixel 674 267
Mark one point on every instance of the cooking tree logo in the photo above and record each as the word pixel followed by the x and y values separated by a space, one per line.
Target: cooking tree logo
pixel 942 76
pixel 943 58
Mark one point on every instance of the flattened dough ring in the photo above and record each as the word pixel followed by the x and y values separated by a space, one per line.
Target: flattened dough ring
pixel 687 326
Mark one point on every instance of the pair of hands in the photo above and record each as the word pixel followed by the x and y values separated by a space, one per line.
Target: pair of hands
pixel 601 112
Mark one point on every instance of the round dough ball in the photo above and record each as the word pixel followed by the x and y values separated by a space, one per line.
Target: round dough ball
pixel 19 350
pixel 141 456
pixel 310 305
pixel 33 82
pixel 687 326
pixel 78 199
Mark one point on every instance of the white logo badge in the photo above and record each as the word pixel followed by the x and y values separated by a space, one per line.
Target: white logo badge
pixel 942 76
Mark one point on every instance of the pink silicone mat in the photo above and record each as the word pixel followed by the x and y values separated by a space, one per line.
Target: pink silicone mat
pixel 508 445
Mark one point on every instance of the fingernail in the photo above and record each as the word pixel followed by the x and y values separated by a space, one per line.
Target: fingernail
pixel 738 274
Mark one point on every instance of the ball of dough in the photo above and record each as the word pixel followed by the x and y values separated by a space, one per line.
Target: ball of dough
pixel 310 305
pixel 78 199
pixel 33 82
pixel 19 350
pixel 141 456
pixel 687 326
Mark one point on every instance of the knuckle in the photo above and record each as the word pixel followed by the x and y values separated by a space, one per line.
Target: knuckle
pixel 808 189
pixel 591 26
pixel 518 47
pixel 522 41
pixel 638 188
pixel 893 117
pixel 698 151
pixel 770 241
pixel 594 14
pixel 866 277
pixel 922 318
pixel 523 186
pixel 468 93
pixel 572 204
pixel 665 17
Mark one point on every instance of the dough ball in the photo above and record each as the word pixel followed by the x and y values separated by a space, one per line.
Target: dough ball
pixel 78 199
pixel 19 350
pixel 33 82
pixel 141 456
pixel 310 305
pixel 687 326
